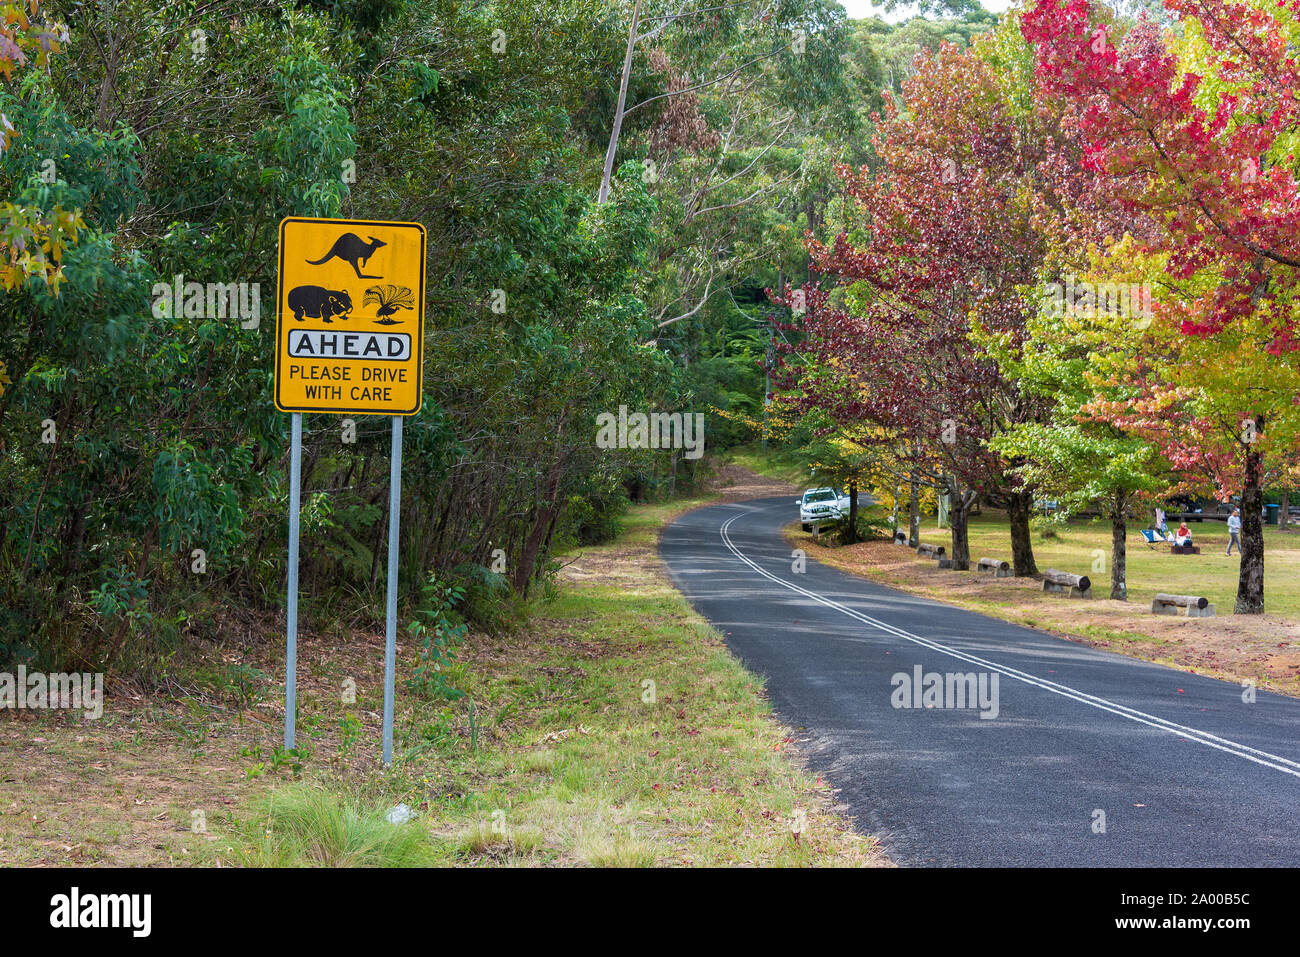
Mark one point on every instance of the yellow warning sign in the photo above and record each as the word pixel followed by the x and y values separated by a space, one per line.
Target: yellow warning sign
pixel 349 325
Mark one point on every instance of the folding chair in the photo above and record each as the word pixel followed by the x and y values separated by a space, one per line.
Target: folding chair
pixel 1153 537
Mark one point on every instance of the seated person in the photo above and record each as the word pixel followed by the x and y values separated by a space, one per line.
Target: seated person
pixel 1184 535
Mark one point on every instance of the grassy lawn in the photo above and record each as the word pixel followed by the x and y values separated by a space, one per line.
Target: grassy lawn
pixel 1260 648
pixel 1150 570
pixel 613 729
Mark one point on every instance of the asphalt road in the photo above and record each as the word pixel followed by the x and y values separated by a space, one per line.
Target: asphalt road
pixel 1184 771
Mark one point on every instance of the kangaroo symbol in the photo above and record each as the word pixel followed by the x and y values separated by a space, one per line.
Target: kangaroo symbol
pixel 352 250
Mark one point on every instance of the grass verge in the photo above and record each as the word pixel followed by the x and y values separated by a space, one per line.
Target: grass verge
pixel 771 464
pixel 613 729
pixel 618 731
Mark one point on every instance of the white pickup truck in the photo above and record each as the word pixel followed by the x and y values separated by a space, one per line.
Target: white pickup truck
pixel 818 506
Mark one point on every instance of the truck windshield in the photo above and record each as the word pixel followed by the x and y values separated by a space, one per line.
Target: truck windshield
pixel 822 496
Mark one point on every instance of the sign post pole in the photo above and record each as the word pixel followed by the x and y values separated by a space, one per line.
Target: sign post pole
pixel 390 628
pixel 291 614
pixel 349 340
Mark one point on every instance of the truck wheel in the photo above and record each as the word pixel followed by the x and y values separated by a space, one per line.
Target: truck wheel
pixel 806 527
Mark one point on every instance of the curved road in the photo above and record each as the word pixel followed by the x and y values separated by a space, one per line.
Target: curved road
pixel 1184 772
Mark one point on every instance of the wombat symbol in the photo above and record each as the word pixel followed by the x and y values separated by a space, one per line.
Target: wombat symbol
pixel 352 250
pixel 319 303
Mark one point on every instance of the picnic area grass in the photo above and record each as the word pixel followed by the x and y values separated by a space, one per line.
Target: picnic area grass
pixel 1150 569
pixel 1264 648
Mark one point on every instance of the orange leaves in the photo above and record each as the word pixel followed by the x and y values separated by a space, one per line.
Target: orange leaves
pixel 24 32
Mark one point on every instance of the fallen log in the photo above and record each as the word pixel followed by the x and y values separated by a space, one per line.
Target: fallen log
pixel 930 551
pixel 997 566
pixel 1194 606
pixel 1079 586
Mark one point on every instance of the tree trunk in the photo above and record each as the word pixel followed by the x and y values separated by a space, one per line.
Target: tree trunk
pixel 1020 506
pixel 532 548
pixel 958 514
pixel 1118 549
pixel 1250 586
pixel 542 521
pixel 74 546
pixel 913 514
pixel 1284 510
pixel 851 537
pixel 622 103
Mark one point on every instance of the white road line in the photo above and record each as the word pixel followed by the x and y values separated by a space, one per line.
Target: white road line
pixel 1276 762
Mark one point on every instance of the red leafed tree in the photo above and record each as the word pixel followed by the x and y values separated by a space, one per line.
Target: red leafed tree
pixel 949 222
pixel 1211 167
pixel 1206 153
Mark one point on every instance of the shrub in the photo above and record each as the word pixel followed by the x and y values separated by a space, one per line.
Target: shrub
pixel 439 630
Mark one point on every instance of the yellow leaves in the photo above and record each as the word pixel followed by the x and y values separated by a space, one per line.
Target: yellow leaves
pixel 31 245
pixel 54 280
pixel 64 232
pixel 4 378
pixel 781 418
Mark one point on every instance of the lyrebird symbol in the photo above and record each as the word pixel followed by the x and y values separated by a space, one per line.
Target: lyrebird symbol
pixel 352 249
pixel 389 299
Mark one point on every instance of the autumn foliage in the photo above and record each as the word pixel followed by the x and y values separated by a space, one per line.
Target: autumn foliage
pixel 1073 144
pixel 1201 138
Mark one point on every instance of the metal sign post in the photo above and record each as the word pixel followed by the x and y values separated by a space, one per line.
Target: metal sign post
pixel 390 625
pixel 291 617
pixel 349 336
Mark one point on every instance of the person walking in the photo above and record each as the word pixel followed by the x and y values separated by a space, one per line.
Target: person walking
pixel 1234 530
